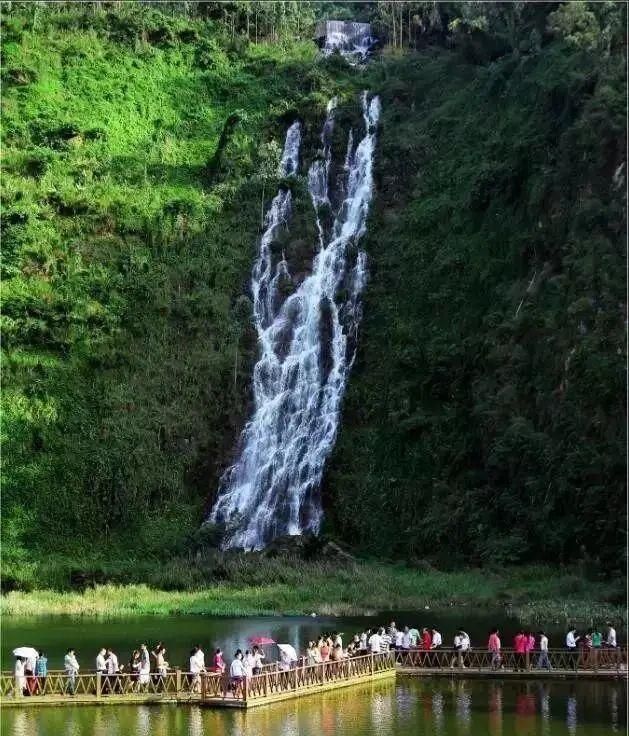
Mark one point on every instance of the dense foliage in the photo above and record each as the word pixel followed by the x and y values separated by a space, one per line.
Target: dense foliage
pixel 484 420
pixel 485 417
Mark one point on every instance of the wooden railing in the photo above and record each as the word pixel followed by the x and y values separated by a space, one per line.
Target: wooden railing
pixel 207 686
pixel 173 684
pixel 274 681
pixel 592 660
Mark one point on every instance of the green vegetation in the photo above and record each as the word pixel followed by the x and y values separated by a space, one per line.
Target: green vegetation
pixel 484 421
pixel 253 585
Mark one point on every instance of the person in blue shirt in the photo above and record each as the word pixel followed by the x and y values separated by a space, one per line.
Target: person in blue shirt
pixel 41 672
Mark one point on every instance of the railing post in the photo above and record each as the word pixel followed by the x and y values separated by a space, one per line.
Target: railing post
pixel 595 653
pixel 245 689
pixel 372 656
pixel 266 683
pixel 203 686
pixel 177 681
pixel 295 678
pixel 527 657
pixel 99 684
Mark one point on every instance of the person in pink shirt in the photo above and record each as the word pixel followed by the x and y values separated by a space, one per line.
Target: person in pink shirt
pixel 519 644
pixel 493 645
pixel 530 641
pixel 218 664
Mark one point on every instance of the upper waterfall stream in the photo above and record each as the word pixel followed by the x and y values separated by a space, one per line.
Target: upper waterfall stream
pixel 306 344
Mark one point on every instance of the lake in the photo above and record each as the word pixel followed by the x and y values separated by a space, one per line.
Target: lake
pixel 408 706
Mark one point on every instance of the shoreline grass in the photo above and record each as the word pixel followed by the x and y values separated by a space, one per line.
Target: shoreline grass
pixel 259 586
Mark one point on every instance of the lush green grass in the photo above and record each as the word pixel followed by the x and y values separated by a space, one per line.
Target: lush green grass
pixel 248 585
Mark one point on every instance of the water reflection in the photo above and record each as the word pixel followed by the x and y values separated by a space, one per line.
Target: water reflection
pixel 436 707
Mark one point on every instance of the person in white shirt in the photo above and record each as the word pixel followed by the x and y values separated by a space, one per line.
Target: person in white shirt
pixel 399 639
pixel 338 640
pixel 237 673
pixel 101 666
pixel 249 662
pixel 111 667
pixel 461 645
pixel 200 655
pixel 375 641
pixel 145 666
pixel 71 667
pixel 572 639
pixel 437 641
pixel 195 670
pixel 542 661
pixel 610 640
pixel 20 679
pixel 258 656
pixel 406 638
pixel 363 641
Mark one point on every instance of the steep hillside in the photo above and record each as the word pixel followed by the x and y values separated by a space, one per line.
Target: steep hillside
pixel 484 421
pixel 485 417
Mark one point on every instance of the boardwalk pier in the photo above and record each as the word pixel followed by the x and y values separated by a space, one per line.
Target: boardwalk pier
pixel 211 689
pixel 273 684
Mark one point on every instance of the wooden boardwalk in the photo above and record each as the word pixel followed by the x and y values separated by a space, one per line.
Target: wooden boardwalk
pixel 213 690
pixel 273 685
pixel 595 664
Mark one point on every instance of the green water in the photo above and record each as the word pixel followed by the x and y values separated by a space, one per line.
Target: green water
pixel 55 634
pixel 408 707
pixel 440 707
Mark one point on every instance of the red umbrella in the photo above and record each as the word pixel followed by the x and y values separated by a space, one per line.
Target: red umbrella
pixel 261 640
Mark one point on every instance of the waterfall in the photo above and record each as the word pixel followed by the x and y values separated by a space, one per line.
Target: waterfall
pixel 351 39
pixel 307 346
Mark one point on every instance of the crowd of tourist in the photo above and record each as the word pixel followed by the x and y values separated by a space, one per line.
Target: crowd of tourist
pixel 529 650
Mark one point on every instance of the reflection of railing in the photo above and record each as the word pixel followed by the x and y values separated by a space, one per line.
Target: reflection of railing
pixel 582 660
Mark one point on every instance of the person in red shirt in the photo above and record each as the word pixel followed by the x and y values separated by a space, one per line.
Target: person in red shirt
pixel 426 640
pixel 519 644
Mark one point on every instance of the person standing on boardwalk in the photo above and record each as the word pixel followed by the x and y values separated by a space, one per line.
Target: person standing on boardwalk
pixel 71 667
pixel 519 645
pixel 100 661
pixel 29 671
pixel 195 671
pixel 218 663
pixel 437 641
pixel 571 645
pixel 597 639
pixel 610 639
pixel 406 639
pixel 41 671
pixel 20 679
pixel 493 645
pixel 145 666
pixel 258 656
pixel 543 662
pixel 529 648
pixel 237 674
pixel 375 641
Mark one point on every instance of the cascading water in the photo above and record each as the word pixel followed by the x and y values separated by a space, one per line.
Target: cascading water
pixel 307 345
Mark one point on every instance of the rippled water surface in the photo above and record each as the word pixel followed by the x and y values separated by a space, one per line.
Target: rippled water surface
pixel 441 707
